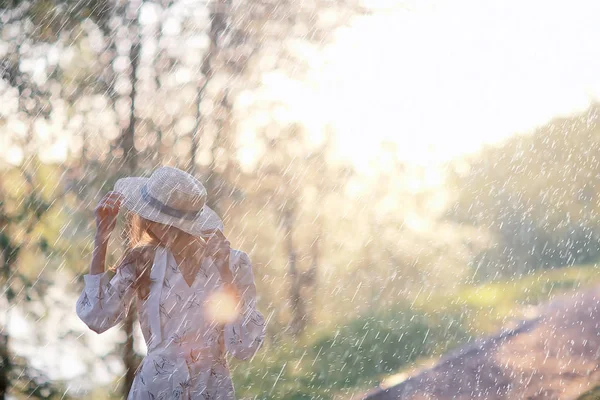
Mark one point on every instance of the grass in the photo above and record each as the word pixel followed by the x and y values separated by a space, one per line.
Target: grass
pixel 483 309
pixel 357 355
pixel 593 394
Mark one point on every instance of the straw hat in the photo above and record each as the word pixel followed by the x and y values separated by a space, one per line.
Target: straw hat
pixel 172 197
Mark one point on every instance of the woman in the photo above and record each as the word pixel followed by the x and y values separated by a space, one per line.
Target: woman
pixel 195 296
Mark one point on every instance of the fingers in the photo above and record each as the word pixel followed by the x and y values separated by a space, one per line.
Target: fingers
pixel 111 200
pixel 216 246
pixel 112 195
pixel 114 198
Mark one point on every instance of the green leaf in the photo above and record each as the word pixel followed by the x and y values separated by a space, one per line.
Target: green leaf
pixel 10 294
pixel 44 246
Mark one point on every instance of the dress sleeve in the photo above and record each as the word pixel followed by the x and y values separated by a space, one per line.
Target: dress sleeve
pixel 104 302
pixel 245 335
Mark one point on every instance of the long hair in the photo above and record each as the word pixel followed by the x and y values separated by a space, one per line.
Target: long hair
pixel 141 244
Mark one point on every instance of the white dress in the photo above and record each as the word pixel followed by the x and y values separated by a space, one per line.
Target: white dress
pixel 186 348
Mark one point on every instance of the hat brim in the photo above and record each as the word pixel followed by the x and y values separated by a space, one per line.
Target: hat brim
pixel 130 188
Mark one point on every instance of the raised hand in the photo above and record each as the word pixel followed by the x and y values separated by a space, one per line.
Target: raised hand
pixel 219 247
pixel 106 215
pixel 217 244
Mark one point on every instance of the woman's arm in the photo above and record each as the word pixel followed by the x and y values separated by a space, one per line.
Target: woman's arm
pixel 106 219
pixel 98 264
pixel 244 336
pixel 103 301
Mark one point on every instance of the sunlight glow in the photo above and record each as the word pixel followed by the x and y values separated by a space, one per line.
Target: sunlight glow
pixel 221 307
pixel 443 78
pixel 438 78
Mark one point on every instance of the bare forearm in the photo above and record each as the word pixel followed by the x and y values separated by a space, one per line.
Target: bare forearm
pixel 98 256
pixel 106 217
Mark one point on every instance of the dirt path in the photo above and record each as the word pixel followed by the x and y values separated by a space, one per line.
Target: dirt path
pixel 554 356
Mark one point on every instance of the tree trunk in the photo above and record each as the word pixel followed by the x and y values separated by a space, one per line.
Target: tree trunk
pixel 311 275
pixel 130 161
pixel 157 70
pixel 216 180
pixel 130 359
pixel 129 151
pixel 4 366
pixel 6 257
pixel 219 10
pixel 298 322
pixel 196 129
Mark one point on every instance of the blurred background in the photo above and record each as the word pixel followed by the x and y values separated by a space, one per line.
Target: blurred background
pixel 406 175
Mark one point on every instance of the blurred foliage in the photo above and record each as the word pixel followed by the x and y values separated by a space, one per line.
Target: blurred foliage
pixel 27 221
pixel 31 383
pixel 52 18
pixel 538 195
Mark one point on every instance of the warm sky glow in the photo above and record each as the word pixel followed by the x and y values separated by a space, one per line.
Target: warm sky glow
pixel 440 78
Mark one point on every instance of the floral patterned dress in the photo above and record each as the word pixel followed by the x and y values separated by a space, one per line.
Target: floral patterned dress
pixel 186 348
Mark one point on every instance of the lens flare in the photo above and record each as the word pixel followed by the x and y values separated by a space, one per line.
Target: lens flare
pixel 221 307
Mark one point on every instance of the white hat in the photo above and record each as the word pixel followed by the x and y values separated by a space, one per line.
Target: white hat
pixel 171 197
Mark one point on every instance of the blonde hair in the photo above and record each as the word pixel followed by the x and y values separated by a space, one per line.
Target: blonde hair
pixel 141 244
